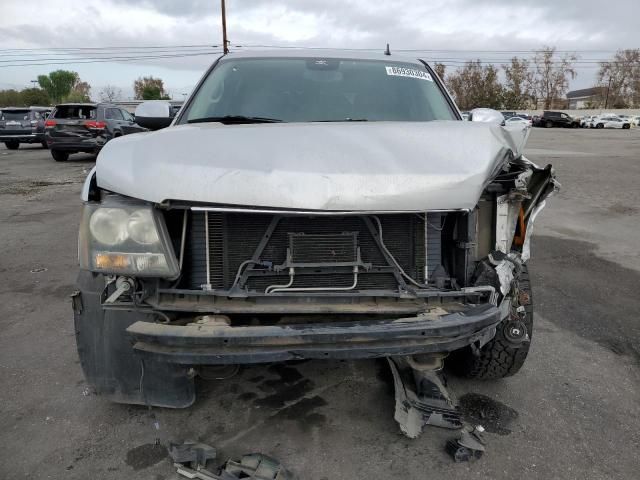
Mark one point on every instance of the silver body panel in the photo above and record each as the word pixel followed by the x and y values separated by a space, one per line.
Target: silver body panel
pixel 377 166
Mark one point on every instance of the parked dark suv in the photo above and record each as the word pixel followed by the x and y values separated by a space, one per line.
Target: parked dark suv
pixel 556 119
pixel 86 127
pixel 22 125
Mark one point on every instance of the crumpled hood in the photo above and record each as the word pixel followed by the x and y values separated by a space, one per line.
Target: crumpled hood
pixel 377 166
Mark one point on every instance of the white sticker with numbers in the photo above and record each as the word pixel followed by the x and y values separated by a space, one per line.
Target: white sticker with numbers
pixel 408 72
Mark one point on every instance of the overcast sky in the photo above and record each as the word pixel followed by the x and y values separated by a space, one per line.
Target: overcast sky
pixel 594 29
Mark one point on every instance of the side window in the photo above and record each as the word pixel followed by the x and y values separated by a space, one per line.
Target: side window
pixel 564 115
pixel 127 116
pixel 113 114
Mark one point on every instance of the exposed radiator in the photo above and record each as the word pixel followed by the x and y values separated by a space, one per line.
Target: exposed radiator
pixel 234 237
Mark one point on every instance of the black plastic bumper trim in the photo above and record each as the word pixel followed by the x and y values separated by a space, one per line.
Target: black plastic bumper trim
pixel 210 345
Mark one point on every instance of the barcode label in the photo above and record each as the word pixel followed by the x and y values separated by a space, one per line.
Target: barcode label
pixel 408 72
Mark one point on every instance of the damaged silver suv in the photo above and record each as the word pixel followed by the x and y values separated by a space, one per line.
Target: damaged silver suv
pixel 306 205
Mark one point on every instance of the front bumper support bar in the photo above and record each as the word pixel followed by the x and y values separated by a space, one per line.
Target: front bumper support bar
pixel 222 344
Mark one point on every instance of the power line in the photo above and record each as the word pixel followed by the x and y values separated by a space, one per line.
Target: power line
pixel 44 56
pixel 446 50
pixel 139 47
pixel 111 59
pixel 37 56
pixel 170 52
pixel 449 50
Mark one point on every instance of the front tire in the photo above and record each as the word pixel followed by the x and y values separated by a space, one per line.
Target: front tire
pixel 500 357
pixel 12 144
pixel 548 124
pixel 59 156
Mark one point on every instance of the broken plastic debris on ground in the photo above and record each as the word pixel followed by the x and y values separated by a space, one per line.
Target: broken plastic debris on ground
pixel 253 466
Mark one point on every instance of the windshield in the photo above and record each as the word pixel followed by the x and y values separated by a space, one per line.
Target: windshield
pixel 318 90
pixel 14 115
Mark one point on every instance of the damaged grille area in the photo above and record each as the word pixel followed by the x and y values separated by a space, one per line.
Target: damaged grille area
pixel 255 252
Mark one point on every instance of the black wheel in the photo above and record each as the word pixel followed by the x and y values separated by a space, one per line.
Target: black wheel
pixel 626 126
pixel 12 144
pixel 59 156
pixel 44 145
pixel 502 356
pixel 548 124
pixel 600 125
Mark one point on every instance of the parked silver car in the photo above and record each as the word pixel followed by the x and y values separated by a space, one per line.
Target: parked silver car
pixel 610 121
pixel 306 205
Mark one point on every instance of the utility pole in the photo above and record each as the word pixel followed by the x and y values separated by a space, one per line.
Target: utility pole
pixel 225 42
pixel 606 99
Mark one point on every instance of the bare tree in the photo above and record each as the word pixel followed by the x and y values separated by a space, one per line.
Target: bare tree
pixel 81 92
pixel 110 93
pixel 476 85
pixel 518 85
pixel 440 69
pixel 621 78
pixel 552 74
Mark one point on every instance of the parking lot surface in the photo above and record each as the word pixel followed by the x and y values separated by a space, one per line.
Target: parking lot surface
pixel 573 412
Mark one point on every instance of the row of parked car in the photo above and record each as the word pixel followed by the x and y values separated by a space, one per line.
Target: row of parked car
pixel 67 128
pixel 610 120
pixel 85 127
pixel 550 119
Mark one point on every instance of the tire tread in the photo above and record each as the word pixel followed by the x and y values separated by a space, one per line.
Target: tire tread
pixel 498 358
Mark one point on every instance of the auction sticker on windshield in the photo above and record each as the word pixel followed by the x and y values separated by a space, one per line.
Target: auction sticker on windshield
pixel 408 72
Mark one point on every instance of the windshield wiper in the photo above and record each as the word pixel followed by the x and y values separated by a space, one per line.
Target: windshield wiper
pixel 234 119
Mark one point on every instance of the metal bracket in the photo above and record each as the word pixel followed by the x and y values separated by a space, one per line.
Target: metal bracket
pixel 376 237
pixel 76 302
pixel 259 249
pixel 123 285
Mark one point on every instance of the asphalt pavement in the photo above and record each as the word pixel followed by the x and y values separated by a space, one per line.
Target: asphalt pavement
pixel 573 412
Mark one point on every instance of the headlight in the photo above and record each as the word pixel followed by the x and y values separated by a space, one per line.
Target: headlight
pixel 109 225
pixel 120 237
pixel 141 229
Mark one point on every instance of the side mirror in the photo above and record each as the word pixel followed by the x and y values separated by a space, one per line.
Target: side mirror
pixel 486 115
pixel 154 114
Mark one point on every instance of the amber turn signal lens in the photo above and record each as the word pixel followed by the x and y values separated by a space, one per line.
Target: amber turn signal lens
pixel 105 261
